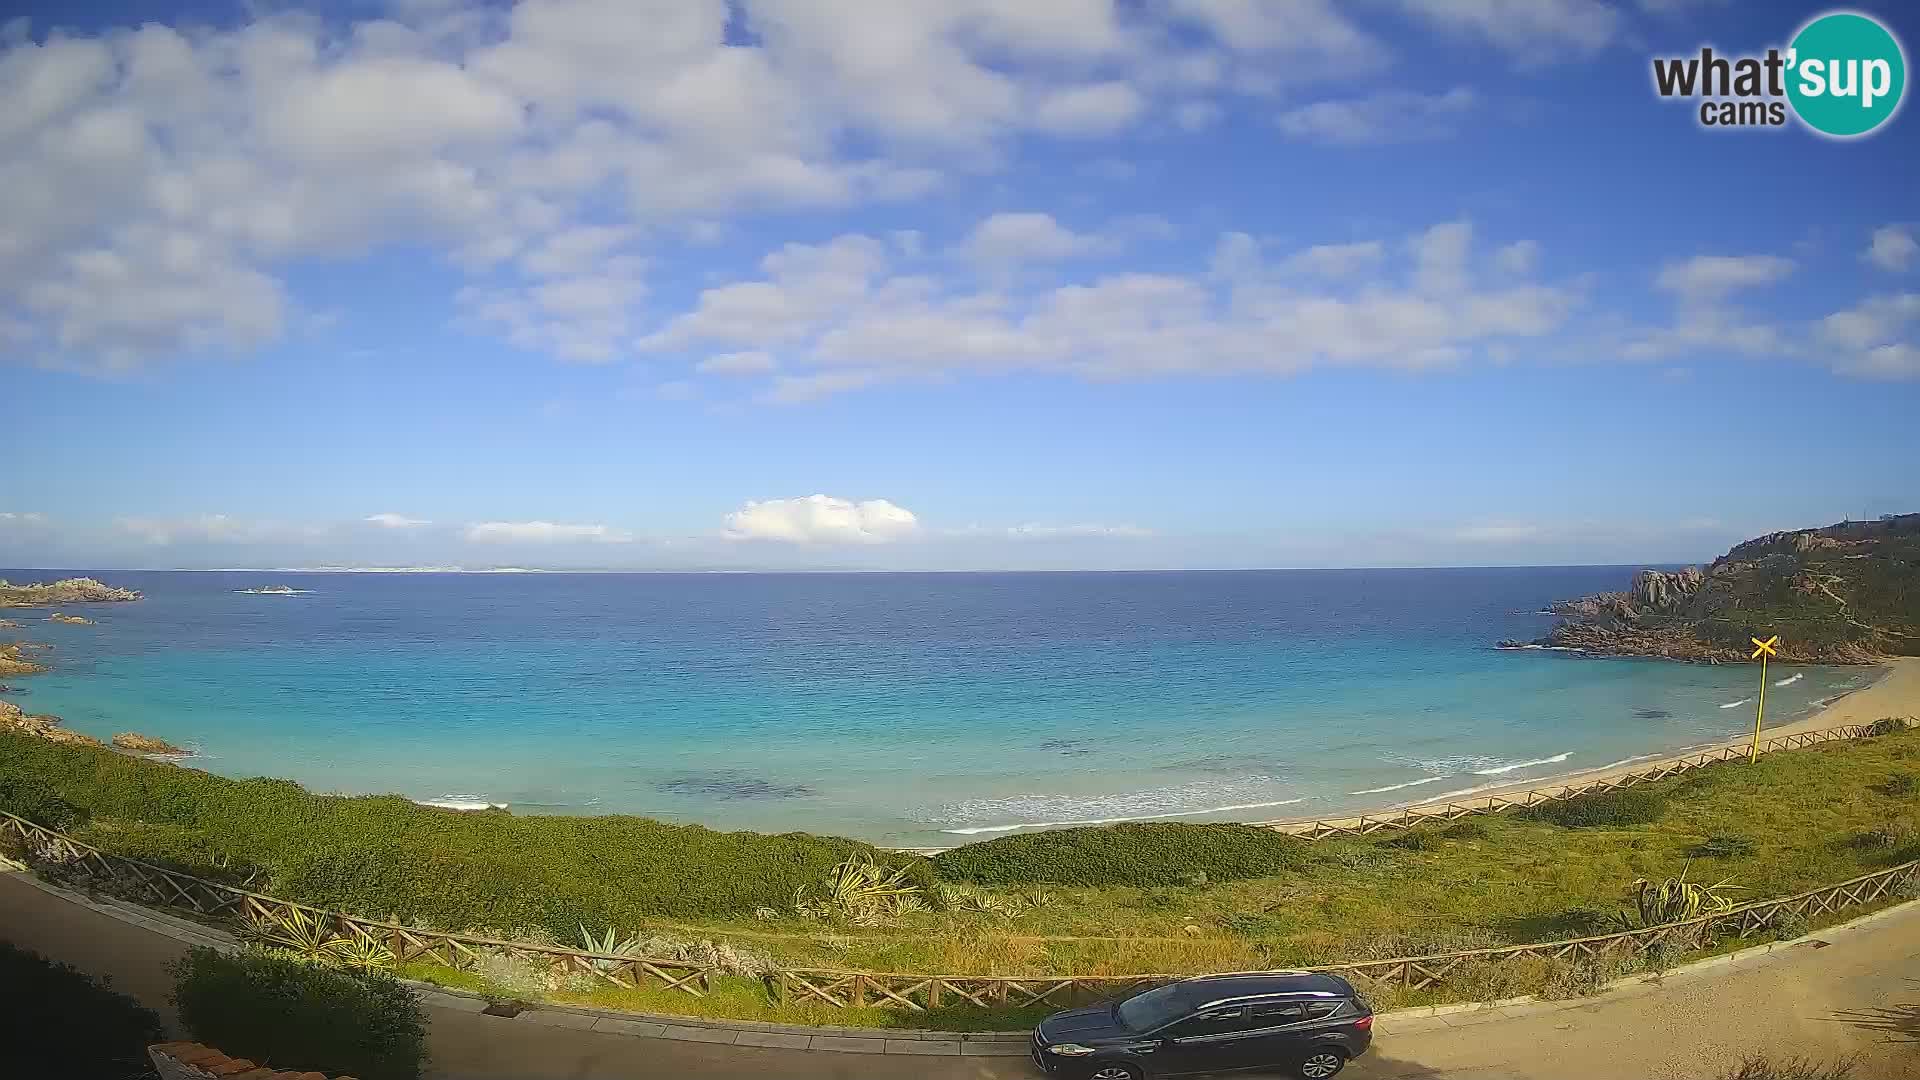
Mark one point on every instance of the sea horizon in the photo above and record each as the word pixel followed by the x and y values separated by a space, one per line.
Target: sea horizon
pixel 907 708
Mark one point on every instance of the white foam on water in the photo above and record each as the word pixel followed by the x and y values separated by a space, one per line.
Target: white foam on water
pixel 1397 787
pixel 976 830
pixel 1627 761
pixel 462 802
pixel 1791 679
pixel 1736 704
pixel 1514 766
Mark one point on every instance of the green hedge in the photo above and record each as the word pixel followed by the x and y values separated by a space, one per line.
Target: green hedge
pixel 1632 806
pixel 382 856
pixel 1139 853
pixel 54 1021
pixel 285 1013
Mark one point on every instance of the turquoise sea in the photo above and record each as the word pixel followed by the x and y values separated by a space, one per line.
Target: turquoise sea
pixel 909 709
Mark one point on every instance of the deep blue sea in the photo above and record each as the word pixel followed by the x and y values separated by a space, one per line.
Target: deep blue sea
pixel 911 709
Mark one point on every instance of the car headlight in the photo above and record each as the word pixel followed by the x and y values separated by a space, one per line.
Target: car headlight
pixel 1071 1050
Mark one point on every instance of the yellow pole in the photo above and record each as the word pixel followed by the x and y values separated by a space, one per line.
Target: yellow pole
pixel 1754 751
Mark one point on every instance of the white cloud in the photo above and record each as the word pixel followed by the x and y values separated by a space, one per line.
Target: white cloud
pixel 1876 337
pixel 1094 109
pixel 1517 258
pixel 1035 531
pixel 1343 304
pixel 1386 116
pixel 1008 238
pixel 395 521
pixel 1705 278
pixel 1535 32
pixel 543 532
pixel 160 183
pixel 1892 248
pixel 821 519
pixel 750 362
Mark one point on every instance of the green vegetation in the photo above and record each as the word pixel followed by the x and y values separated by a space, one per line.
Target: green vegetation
pixel 1139 853
pixel 287 1013
pixel 54 1021
pixel 1152 898
pixel 1610 809
pixel 385 856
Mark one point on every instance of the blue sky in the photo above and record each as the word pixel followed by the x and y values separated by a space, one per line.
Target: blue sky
pixel 978 284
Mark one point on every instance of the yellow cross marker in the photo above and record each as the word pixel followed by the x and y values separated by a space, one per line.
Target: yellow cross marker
pixel 1761 650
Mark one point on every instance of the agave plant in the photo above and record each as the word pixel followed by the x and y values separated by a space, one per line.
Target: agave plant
pixel 608 944
pixel 861 891
pixel 360 953
pixel 295 930
pixel 1677 899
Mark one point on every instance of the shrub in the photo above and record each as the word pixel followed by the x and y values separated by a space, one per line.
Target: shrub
pixel 1466 829
pixel 26 797
pixel 1414 840
pixel 385 856
pixel 1722 847
pixel 1887 836
pixel 1634 806
pixel 54 1021
pixel 1788 925
pixel 285 1013
pixel 1899 785
pixel 1137 853
pixel 1582 978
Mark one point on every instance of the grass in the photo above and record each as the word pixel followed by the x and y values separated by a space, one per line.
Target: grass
pixel 1789 822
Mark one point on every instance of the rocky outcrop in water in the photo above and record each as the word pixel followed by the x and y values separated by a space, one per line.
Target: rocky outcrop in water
pixel 13 661
pixel 74 620
pixel 146 744
pixel 69 591
pixel 20 722
pixel 1844 594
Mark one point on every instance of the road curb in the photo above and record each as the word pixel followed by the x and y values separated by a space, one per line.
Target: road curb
pixel 927 1042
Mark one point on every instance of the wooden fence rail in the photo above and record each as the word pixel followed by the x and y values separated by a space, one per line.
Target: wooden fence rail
pixel 145 882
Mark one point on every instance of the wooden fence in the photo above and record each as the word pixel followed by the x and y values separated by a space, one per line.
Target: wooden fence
pixel 144 882
pixel 1411 816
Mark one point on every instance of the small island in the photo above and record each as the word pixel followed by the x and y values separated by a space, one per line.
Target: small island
pixel 69 591
pixel 1835 595
pixel 73 620
pixel 13 661
pixel 273 590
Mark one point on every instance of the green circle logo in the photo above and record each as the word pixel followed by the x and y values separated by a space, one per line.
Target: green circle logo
pixel 1846 74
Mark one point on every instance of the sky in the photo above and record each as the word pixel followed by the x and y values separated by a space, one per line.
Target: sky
pixel 953 284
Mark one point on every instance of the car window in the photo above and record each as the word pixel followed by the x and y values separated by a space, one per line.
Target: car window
pixel 1280 1012
pixel 1320 1010
pixel 1211 1022
pixel 1144 1012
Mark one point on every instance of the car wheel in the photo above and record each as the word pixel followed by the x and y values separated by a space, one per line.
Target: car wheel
pixel 1116 1070
pixel 1321 1064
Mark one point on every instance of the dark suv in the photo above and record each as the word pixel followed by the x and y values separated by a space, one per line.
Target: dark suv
pixel 1307 1023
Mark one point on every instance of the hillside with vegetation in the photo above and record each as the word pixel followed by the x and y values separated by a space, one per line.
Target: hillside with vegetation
pixel 1138 898
pixel 1843 594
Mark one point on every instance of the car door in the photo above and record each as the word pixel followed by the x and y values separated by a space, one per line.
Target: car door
pixel 1203 1042
pixel 1270 1037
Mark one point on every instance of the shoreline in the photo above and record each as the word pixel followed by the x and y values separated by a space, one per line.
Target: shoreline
pixel 1896 692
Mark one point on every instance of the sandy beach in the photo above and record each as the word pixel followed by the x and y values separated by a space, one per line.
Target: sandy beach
pixel 1895 693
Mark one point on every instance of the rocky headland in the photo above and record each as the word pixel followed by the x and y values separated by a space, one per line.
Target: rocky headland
pixel 69 591
pixel 17 720
pixel 1844 594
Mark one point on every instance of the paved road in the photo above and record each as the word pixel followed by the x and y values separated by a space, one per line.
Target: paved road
pixel 1860 994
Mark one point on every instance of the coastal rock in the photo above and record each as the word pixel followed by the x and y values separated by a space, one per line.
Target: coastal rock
pixel 75 620
pixel 146 744
pixel 9 624
pixel 69 591
pixel 14 719
pixel 13 661
pixel 1657 588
